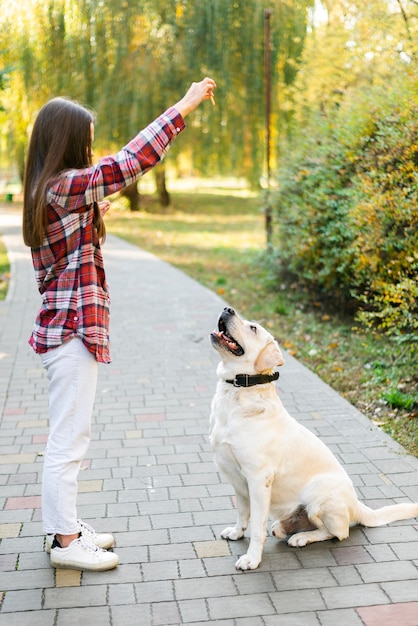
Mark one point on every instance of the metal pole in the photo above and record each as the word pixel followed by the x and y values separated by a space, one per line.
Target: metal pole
pixel 267 70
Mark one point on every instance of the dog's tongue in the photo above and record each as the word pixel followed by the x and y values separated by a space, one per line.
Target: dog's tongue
pixel 230 342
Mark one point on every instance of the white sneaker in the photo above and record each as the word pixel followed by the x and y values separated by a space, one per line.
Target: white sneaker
pixel 101 540
pixel 82 554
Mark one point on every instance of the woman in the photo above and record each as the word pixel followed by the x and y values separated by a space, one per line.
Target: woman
pixel 63 224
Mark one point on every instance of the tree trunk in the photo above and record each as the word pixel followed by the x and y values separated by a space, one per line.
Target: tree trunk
pixel 132 194
pixel 160 182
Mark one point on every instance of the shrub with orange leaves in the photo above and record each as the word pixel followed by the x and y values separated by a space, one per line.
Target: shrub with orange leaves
pixel 347 214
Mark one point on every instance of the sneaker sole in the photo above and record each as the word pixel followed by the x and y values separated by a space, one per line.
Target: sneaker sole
pixel 98 567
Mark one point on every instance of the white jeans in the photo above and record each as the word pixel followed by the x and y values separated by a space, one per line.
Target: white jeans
pixel 72 374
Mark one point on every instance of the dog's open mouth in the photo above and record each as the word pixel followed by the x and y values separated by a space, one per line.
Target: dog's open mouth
pixel 224 339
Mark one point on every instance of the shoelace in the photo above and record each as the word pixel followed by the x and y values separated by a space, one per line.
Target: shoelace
pixel 88 545
pixel 86 528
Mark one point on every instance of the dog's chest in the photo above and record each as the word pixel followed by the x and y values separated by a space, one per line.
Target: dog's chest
pixel 241 429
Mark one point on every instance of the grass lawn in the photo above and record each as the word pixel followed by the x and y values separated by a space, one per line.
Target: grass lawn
pixel 219 240
pixel 4 270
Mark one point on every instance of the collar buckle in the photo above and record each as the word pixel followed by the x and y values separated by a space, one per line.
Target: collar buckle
pixel 241 380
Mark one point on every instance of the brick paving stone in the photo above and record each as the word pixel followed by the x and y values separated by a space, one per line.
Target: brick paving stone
pixel 193 610
pixel 240 606
pixel 306 578
pixel 9 459
pixel 398 570
pixel 8 563
pixel 73 597
pixel 28 618
pixel 402 591
pixel 300 619
pixel 211 548
pixel 396 533
pixel 21 544
pixel 25 579
pixel 191 568
pixel 131 556
pixel 354 595
pixel 351 554
pixel 407 550
pixel 149 477
pixel 261 582
pixel 9 530
pixel 129 615
pixel 346 575
pixel 170 552
pixel 121 594
pixel 299 600
pixel 91 486
pixel 213 587
pixel 160 571
pixel 403 614
pixel 381 553
pixel 85 615
pixel 67 578
pixel 125 573
pixel 24 502
pixel 345 617
pixel 315 557
pixel 165 614
pixel 29 599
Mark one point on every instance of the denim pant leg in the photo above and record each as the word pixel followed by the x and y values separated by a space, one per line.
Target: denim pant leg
pixel 72 379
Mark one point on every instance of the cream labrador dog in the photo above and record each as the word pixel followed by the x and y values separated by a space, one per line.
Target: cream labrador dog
pixel 276 466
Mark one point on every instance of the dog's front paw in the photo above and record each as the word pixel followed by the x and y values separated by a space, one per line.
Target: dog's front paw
pixel 247 562
pixel 232 533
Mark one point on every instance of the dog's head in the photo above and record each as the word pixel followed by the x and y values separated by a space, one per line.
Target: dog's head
pixel 245 347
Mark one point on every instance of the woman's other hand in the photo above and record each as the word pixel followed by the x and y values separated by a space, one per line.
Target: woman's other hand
pixel 104 206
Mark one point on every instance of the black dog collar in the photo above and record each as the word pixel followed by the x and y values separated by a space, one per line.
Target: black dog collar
pixel 248 380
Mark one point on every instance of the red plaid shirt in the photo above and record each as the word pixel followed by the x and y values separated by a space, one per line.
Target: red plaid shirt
pixel 69 265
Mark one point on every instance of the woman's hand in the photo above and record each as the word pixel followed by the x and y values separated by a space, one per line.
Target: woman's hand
pixel 104 206
pixel 194 96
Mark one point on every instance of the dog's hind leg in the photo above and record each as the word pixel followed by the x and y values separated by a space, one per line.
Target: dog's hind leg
pixel 328 525
pixel 303 539
pixel 295 523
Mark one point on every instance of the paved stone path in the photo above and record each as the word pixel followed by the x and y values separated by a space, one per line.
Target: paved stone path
pixel 149 477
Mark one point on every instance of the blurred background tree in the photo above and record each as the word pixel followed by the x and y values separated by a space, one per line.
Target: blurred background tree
pixel 130 59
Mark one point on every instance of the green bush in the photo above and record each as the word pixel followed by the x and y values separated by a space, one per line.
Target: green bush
pixel 346 213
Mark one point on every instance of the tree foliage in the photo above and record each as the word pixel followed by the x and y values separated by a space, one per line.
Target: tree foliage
pixel 130 59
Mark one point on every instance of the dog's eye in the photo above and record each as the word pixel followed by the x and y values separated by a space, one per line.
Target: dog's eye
pixel 253 328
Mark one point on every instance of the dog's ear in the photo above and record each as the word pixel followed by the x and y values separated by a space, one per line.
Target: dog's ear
pixel 269 357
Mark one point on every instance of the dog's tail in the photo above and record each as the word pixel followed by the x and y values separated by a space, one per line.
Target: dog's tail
pixel 387 514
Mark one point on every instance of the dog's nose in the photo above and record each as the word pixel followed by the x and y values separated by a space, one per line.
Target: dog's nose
pixel 228 310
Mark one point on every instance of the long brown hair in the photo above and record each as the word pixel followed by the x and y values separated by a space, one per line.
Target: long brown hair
pixel 61 140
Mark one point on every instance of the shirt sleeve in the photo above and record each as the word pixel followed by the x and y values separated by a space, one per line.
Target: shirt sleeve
pixel 78 188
